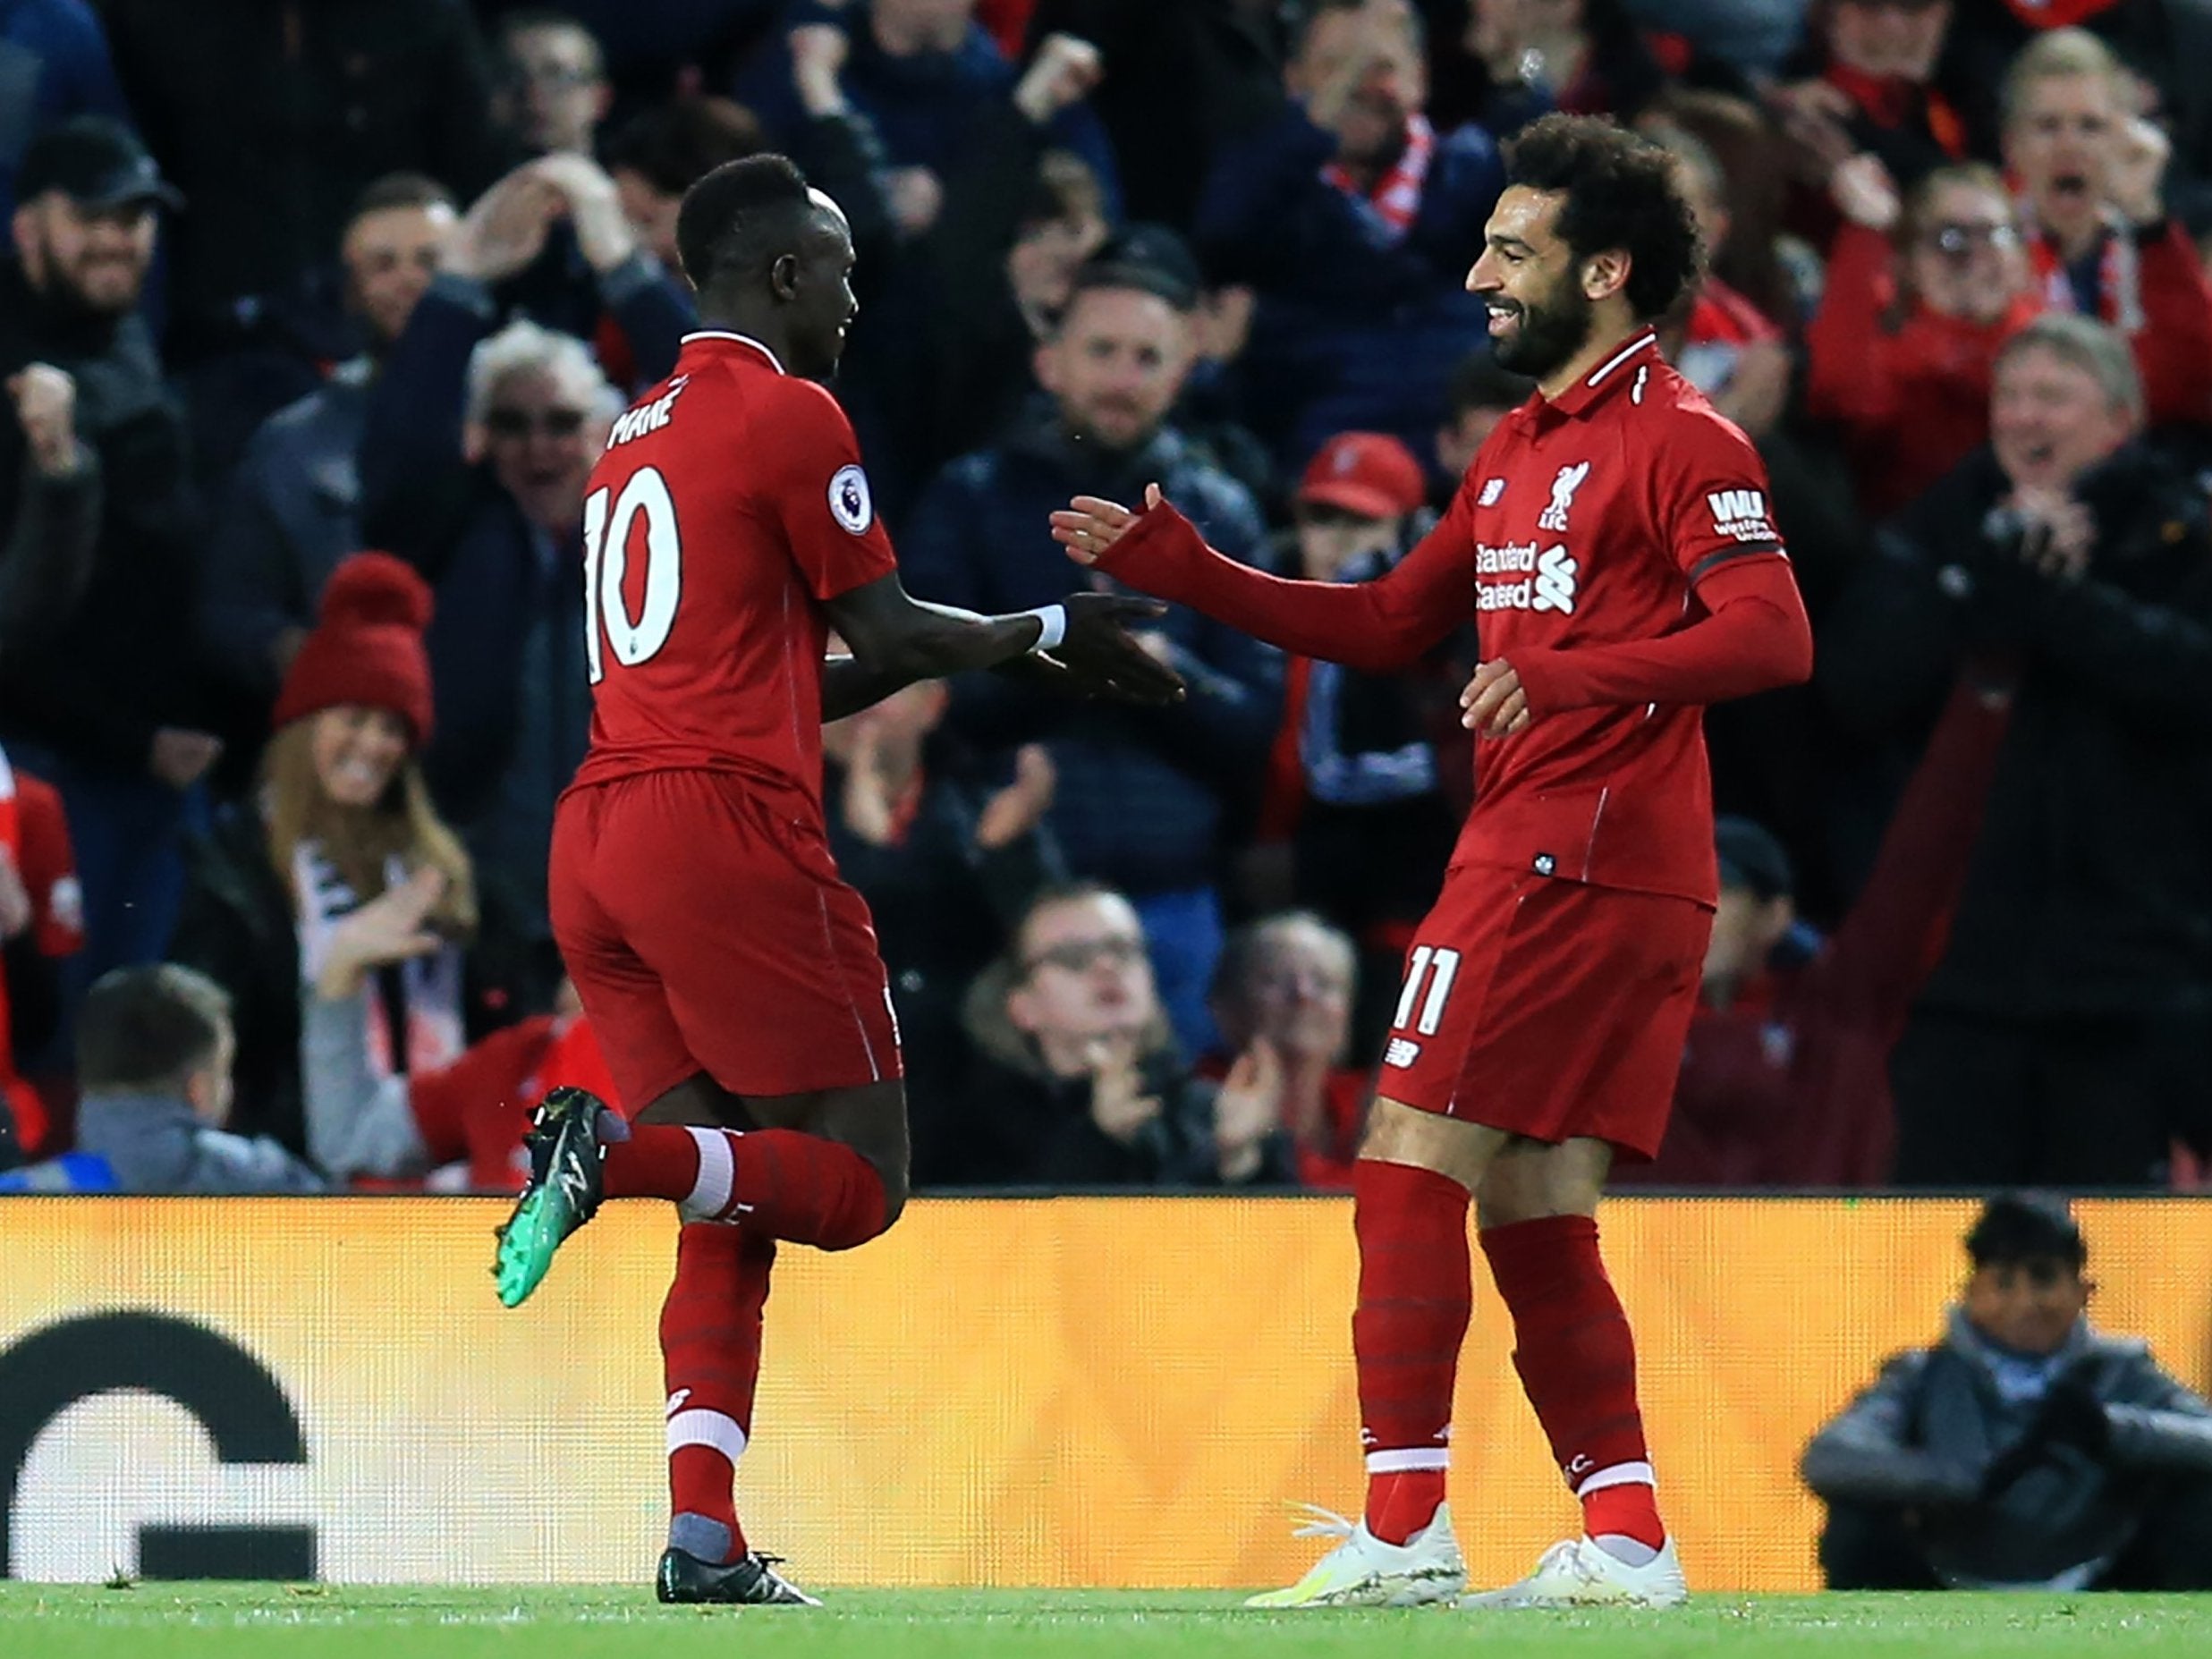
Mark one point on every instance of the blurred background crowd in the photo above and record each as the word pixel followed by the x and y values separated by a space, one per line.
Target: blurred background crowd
pixel 315 313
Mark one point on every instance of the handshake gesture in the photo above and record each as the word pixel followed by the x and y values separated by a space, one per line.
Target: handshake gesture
pixel 1098 655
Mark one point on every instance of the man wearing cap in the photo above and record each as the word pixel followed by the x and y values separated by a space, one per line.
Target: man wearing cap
pixel 1353 783
pixel 1144 794
pixel 2026 1449
pixel 107 704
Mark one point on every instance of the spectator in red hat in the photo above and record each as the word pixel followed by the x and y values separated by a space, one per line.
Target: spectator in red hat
pixel 1352 794
pixel 341 818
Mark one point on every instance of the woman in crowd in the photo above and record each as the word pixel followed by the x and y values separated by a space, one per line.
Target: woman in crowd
pixel 341 816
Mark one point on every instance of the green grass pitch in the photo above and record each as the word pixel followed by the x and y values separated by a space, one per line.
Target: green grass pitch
pixel 243 1622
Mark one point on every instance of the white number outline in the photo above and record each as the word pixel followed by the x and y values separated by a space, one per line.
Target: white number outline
pixel 606 565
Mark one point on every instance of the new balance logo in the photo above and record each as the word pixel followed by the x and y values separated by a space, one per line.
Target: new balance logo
pixel 1403 1051
pixel 573 1186
pixel 676 1400
pixel 1741 514
pixel 1554 518
pixel 1492 489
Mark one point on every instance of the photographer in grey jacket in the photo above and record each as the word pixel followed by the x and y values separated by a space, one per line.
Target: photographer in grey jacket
pixel 154 1054
pixel 2026 1449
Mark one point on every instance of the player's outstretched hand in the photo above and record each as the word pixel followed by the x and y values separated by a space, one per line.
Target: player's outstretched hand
pixel 1493 702
pixel 1090 524
pixel 1103 658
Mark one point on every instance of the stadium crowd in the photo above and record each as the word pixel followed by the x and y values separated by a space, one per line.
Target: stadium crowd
pixel 315 317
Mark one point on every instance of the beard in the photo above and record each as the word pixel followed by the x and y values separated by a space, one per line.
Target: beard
pixel 1549 334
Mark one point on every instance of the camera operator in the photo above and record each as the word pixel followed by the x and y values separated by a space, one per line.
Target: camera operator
pixel 2066 1035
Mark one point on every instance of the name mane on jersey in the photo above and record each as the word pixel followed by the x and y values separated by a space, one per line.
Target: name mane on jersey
pixel 647 417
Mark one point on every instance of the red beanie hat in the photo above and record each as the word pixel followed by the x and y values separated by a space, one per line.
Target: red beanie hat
pixel 367 649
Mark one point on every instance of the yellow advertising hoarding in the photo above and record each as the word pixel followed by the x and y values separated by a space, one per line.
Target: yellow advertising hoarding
pixel 1066 1393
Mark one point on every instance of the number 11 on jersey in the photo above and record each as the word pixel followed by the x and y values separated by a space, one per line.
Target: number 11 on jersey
pixel 607 565
pixel 1439 967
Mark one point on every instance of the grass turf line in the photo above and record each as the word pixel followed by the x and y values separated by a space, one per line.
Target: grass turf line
pixel 216 1622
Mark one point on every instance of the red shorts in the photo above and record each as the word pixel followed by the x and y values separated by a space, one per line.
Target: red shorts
pixel 1548 1008
pixel 707 931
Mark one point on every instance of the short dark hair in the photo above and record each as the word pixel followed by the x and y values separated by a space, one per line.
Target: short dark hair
pixel 1305 17
pixel 674 145
pixel 1620 192
pixel 1150 259
pixel 2016 1227
pixel 149 1028
pixel 1064 186
pixel 401 189
pixel 742 216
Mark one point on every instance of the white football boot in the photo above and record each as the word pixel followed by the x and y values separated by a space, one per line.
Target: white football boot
pixel 1576 1573
pixel 1364 1572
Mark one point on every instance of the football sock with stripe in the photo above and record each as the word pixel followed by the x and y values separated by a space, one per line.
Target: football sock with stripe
pixel 711 1352
pixel 779 1183
pixel 1577 1359
pixel 1416 1286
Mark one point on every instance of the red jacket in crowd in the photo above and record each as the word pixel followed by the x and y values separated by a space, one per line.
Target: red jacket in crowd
pixel 1789 1085
pixel 1912 396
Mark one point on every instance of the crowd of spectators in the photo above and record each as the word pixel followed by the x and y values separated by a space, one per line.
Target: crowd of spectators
pixel 315 317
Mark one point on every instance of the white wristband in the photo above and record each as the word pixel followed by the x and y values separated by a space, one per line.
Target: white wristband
pixel 1053 621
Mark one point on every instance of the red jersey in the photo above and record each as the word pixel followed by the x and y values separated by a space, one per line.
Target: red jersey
pixel 729 504
pixel 1589 519
pixel 1580 534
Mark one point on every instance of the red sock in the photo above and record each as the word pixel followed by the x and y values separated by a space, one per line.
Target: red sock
pixel 1577 1360
pixel 1415 1289
pixel 710 1350
pixel 777 1182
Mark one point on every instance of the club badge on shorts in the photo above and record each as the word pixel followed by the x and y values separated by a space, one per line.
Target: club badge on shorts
pixel 849 501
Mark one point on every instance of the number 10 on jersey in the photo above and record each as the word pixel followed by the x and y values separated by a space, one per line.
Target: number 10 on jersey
pixel 606 566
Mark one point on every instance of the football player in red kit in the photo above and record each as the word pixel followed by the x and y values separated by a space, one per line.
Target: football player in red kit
pixel 731 975
pixel 1611 538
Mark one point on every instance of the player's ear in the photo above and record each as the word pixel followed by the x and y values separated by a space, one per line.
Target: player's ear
pixel 1605 274
pixel 783 277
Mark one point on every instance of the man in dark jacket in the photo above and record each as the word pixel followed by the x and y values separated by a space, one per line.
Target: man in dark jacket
pixel 473 458
pixel 1356 223
pixel 1080 1085
pixel 2026 1449
pixel 2067 1034
pixel 1144 794
pixel 108 705
pixel 948 865
pixel 293 510
pixel 275 118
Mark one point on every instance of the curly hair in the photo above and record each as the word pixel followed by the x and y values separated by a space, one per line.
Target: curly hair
pixel 1620 192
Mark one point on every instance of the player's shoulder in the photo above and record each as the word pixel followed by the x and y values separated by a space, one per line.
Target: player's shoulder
pixel 1676 420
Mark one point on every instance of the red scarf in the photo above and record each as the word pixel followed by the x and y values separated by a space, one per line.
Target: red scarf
pixel 2057 13
pixel 1891 102
pixel 1396 197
